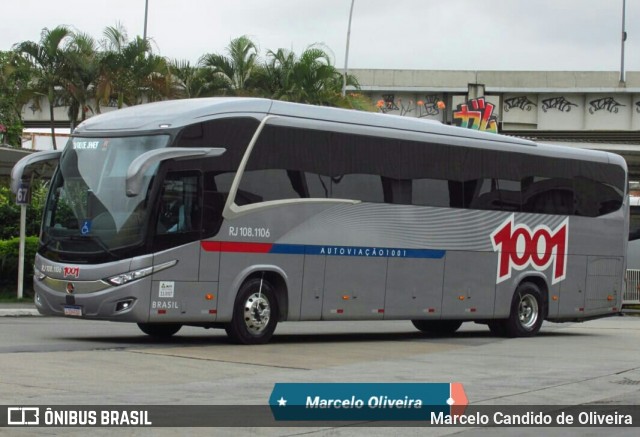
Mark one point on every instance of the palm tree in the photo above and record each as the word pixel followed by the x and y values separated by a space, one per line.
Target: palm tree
pixel 48 58
pixel 81 75
pixel 15 92
pixel 278 71
pixel 310 78
pixel 238 66
pixel 130 71
pixel 192 81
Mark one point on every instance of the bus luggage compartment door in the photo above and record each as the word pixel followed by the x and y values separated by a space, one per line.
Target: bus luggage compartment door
pixel 469 285
pixel 604 282
pixel 354 288
pixel 414 288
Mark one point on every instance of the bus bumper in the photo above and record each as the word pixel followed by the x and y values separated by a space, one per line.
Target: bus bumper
pixel 124 303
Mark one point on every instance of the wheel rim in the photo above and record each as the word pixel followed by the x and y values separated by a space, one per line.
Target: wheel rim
pixel 257 312
pixel 528 311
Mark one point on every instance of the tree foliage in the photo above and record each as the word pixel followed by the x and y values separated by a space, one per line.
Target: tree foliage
pixel 238 66
pixel 14 78
pixel 130 72
pixel 48 59
pixel 10 211
pixel 71 68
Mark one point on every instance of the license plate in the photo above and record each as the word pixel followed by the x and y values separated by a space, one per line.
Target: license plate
pixel 74 310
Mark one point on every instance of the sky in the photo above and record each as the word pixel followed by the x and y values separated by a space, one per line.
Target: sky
pixel 402 34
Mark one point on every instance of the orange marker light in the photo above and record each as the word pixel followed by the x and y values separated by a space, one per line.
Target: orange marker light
pixel 610 298
pixel 345 297
pixel 209 296
pixel 460 297
pixel 554 298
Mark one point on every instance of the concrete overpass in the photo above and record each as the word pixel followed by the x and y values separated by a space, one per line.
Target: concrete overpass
pixel 589 109
pixel 576 108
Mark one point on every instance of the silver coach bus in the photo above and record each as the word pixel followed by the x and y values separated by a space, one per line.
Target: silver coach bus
pixel 239 213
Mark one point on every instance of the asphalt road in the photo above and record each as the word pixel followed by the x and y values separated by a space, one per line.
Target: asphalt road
pixel 75 362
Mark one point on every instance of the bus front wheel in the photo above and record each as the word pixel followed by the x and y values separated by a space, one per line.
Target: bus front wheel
pixel 438 327
pixel 255 313
pixel 159 330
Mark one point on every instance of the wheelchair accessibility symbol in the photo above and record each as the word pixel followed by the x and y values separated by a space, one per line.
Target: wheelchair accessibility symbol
pixel 86 227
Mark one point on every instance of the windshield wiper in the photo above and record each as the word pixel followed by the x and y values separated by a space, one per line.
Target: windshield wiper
pixel 95 239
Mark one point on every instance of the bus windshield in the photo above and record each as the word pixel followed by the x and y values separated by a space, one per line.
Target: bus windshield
pixel 87 210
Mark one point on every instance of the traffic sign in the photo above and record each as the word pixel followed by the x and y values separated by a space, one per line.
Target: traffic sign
pixel 23 194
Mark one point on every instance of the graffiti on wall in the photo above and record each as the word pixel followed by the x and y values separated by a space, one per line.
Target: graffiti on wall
pixel 520 102
pixel 608 104
pixel 405 107
pixel 387 103
pixel 559 103
pixel 430 106
pixel 476 114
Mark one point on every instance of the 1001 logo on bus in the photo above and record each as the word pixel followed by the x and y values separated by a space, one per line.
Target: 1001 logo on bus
pixel 520 247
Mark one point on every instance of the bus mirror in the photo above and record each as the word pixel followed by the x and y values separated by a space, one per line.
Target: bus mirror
pixel 26 165
pixel 140 165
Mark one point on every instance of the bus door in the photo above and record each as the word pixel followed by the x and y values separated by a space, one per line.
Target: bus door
pixel 178 292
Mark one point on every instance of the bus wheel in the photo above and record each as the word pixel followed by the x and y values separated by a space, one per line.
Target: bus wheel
pixel 159 330
pixel 438 327
pixel 497 327
pixel 526 312
pixel 255 313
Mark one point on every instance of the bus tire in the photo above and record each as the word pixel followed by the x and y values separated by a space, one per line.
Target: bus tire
pixel 527 311
pixel 438 327
pixel 498 327
pixel 255 313
pixel 159 330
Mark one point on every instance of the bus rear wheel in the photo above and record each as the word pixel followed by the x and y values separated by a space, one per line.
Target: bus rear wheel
pixel 438 327
pixel 527 312
pixel 255 313
pixel 159 330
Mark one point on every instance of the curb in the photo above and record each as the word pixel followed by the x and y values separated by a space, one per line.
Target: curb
pixel 19 312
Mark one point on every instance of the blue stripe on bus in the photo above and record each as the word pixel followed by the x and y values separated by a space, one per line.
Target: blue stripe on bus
pixel 380 252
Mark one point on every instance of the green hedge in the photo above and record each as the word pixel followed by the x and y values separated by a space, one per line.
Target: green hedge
pixel 9 264
pixel 10 212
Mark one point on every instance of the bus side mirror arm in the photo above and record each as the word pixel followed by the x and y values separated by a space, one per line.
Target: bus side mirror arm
pixel 18 170
pixel 140 165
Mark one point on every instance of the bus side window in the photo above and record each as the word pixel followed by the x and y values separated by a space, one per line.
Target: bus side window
pixel 433 192
pixel 397 191
pixel 364 187
pixel 179 206
pixel 548 196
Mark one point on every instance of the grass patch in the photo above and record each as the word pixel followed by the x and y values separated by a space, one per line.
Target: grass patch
pixel 12 298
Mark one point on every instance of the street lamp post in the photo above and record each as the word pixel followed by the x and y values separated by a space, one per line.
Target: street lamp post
pixel 624 38
pixel 346 54
pixel 146 11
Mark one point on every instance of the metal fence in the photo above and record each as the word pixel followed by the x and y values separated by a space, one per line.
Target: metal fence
pixel 632 292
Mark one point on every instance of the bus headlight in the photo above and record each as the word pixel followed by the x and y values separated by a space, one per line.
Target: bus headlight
pixel 129 276
pixel 123 278
pixel 38 274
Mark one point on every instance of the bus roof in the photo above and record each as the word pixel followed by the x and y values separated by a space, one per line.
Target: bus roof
pixel 173 114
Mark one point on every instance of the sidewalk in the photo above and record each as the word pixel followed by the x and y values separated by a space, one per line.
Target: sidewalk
pixel 18 310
